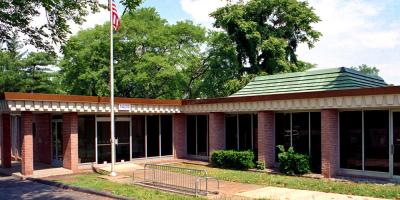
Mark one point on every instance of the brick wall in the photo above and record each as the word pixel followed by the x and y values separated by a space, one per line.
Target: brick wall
pixel 6 141
pixel 42 141
pixel 217 138
pixel 329 142
pixel 179 136
pixel 70 141
pixel 27 144
pixel 266 138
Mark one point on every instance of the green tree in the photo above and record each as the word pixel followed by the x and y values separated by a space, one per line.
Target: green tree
pixel 366 69
pixel 153 59
pixel 26 72
pixel 17 15
pixel 268 32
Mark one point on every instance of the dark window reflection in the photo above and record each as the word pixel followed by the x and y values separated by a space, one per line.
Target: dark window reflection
pixel 153 136
pixel 282 128
pixel 166 135
pixel 396 143
pixel 300 132
pixel 231 131
pixel 138 136
pixel 191 134
pixel 245 138
pixel 351 140
pixel 315 131
pixel 376 144
pixel 202 138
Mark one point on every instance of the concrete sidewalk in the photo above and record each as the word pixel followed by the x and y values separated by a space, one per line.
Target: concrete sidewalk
pixel 294 194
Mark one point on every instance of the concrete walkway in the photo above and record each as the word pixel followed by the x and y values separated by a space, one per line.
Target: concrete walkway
pixel 13 188
pixel 293 194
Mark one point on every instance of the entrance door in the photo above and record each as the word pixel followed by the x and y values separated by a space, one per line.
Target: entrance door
pixel 103 142
pixel 395 147
pixel 57 142
pixel 122 135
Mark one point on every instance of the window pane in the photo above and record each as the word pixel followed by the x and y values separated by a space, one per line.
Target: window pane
pixel 282 128
pixel 103 142
pixel 202 135
pixel 255 135
pixel 300 133
pixel 376 144
pixel 396 142
pixel 191 134
pixel 231 131
pixel 86 139
pixel 351 139
pixel 315 141
pixel 245 139
pixel 166 135
pixel 138 139
pixel 152 136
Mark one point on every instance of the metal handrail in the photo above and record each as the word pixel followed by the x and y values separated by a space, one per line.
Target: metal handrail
pixel 177 178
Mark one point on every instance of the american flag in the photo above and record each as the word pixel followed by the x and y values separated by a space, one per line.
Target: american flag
pixel 114 12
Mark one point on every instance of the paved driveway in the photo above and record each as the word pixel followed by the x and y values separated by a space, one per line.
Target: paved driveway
pixel 13 188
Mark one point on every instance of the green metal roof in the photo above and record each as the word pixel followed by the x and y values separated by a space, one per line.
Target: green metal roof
pixel 316 80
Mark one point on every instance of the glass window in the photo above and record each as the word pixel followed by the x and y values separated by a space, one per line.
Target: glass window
pixel 153 135
pixel 166 135
pixel 396 143
pixel 138 136
pixel 376 140
pixel 122 133
pixel 245 137
pixel 202 135
pixel 191 134
pixel 231 132
pixel 351 139
pixel 300 132
pixel 315 131
pixel 282 128
pixel 86 139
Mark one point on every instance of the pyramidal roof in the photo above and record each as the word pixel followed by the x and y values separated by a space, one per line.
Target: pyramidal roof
pixel 310 81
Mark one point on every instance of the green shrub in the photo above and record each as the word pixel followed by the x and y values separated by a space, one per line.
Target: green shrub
pixel 291 162
pixel 233 159
pixel 260 165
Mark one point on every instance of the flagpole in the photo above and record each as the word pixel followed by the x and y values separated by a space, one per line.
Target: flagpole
pixel 113 173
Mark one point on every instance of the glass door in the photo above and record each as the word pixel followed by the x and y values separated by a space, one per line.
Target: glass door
pixel 122 134
pixel 395 147
pixel 56 143
pixel 103 142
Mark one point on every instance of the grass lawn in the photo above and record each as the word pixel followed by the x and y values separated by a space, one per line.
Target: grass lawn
pixel 92 181
pixel 323 185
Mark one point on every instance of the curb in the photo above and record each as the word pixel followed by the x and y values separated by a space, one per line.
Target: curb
pixel 78 189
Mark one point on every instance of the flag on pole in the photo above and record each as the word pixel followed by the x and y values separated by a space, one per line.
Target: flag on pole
pixel 114 13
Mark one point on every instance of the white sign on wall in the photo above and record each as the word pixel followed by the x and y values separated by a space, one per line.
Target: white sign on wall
pixel 124 106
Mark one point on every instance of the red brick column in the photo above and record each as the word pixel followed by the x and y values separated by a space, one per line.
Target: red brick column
pixel 70 141
pixel 179 136
pixel 27 144
pixel 217 140
pixel 329 142
pixel 6 146
pixel 43 138
pixel 266 138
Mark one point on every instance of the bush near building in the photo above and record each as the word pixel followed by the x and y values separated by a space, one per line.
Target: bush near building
pixel 233 159
pixel 291 162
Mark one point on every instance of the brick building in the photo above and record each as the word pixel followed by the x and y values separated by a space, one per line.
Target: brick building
pixel 347 122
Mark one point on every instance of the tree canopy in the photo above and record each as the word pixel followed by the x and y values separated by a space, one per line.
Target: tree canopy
pixel 19 16
pixel 268 32
pixel 26 72
pixel 366 69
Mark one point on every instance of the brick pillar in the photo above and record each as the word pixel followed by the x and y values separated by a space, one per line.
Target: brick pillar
pixel 266 138
pixel 217 140
pixel 179 136
pixel 27 144
pixel 329 142
pixel 6 141
pixel 43 138
pixel 70 141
